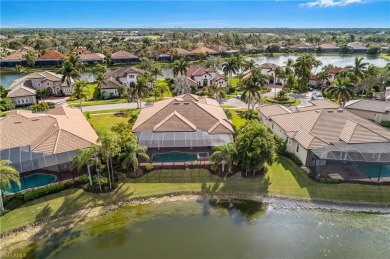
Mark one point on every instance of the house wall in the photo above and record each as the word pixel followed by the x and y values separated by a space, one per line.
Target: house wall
pixel 221 83
pixel 23 101
pixel 371 115
pixel 108 93
pixel 199 79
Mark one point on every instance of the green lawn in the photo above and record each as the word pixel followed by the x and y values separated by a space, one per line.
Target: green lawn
pixel 104 122
pixel 238 119
pixel 283 178
pixel 109 111
pixel 385 56
pixel 100 102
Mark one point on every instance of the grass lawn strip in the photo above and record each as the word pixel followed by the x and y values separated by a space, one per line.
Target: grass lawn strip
pixel 283 179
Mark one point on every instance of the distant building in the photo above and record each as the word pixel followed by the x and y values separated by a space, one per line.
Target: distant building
pixel 16 57
pixel 91 58
pixel 51 58
pixel 374 110
pixel 123 57
pixel 357 47
pixel 329 47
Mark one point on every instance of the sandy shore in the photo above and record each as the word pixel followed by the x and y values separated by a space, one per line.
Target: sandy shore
pixel 26 235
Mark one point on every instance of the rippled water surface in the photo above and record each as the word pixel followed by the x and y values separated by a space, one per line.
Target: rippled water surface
pixel 204 228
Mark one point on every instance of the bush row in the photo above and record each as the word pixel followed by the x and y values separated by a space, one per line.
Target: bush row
pixel 273 100
pixel 329 180
pixel 385 124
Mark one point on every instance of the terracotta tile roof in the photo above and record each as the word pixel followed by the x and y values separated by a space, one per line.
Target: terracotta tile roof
pixel 269 66
pixel 369 105
pixel 51 55
pixel 203 50
pixel 18 54
pixel 273 109
pixel 182 51
pixel 59 130
pixel 184 113
pixel 219 48
pixel 122 54
pixel 336 70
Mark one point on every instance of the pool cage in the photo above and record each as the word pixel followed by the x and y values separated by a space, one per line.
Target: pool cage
pixel 29 163
pixel 367 162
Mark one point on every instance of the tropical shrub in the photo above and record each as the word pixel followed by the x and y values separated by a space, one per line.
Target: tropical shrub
pixel 228 113
pixel 385 124
pixel 149 167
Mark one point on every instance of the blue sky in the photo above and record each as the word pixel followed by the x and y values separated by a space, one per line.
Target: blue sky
pixel 196 14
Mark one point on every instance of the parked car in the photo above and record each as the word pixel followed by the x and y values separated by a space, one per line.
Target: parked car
pixel 317 96
pixel 238 96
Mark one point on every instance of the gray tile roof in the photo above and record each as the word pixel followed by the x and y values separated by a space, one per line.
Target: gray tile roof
pixel 369 105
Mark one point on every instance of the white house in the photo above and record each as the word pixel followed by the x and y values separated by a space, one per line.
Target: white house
pixel 267 69
pixel 206 76
pixel 126 76
pixel 23 90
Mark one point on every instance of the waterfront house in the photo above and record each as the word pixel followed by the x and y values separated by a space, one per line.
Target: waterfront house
pixel 16 58
pixel 267 69
pixel 357 47
pixel 44 143
pixel 22 91
pixel 123 57
pixel 91 58
pixel 329 47
pixel 206 76
pixel 51 58
pixel 331 141
pixel 187 123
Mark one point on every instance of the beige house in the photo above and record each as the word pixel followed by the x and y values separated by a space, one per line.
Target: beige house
pixel 325 135
pixel 23 90
pixel 44 143
pixel 373 110
pixel 187 123
pixel 206 76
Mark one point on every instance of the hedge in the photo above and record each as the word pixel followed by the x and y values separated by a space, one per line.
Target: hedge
pixel 290 100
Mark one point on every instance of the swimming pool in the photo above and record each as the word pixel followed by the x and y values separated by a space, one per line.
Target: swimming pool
pixel 374 171
pixel 174 157
pixel 31 181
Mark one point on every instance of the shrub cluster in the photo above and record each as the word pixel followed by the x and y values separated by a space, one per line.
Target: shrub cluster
pixel 281 149
pixel 329 180
pixel 385 124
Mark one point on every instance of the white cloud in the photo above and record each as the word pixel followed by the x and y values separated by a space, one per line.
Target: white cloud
pixel 332 3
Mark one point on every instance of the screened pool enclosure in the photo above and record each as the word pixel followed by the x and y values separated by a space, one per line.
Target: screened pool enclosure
pixel 30 163
pixel 369 162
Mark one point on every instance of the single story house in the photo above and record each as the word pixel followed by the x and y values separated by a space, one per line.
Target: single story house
pixel 183 128
pixel 374 110
pixel 206 76
pixel 332 141
pixel 51 58
pixel 329 47
pixel 22 91
pixel 44 143
pixel 91 58
pixel 204 50
pixel 357 47
pixel 123 57
pixel 16 58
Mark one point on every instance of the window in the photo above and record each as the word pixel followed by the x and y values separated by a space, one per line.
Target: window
pixel 39 84
pixel 17 100
pixel 131 76
pixel 48 83
pixel 27 100
pixel 272 126
pixel 297 150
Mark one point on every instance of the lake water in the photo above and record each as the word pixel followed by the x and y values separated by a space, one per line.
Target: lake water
pixel 341 61
pixel 209 229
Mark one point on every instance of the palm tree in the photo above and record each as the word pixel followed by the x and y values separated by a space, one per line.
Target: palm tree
pixel 141 90
pixel 69 73
pixel 342 90
pixel 180 67
pixel 8 174
pixel 81 92
pixel 156 71
pixel 250 64
pixel 41 93
pixel 224 155
pixel 230 68
pixel 77 64
pixel 109 148
pixel 303 66
pixel 240 61
pixel 86 157
pixel 19 69
pixel 252 87
pixel 3 92
pixel 130 155
pixel 323 76
pixel 100 77
pixel 359 68
pixel 214 91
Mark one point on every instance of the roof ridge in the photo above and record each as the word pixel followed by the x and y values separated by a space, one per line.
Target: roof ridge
pixel 315 122
pixel 34 145
pixel 178 115
pixel 56 143
pixel 198 103
pixel 377 133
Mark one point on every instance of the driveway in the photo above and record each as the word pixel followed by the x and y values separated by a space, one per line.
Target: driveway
pixel 113 106
pixel 58 101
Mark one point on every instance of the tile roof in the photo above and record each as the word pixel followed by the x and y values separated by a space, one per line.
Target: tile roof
pixel 203 50
pixel 184 113
pixel 369 105
pixel 59 130
pixel 336 70
pixel 123 71
pixel 122 54
pixel 18 54
pixel 91 56
pixel 318 104
pixel 269 66
pixel 272 109
pixel 21 92
pixel 51 55
pixel 110 83
pixel 182 51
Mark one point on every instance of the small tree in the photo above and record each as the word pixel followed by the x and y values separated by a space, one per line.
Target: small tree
pixel 224 155
pixel 181 85
pixel 39 107
pixel 255 145
pixel 8 174
pixel 81 92
pixel 41 93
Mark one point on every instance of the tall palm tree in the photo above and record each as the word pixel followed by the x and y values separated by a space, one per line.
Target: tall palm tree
pixel 86 157
pixel 130 155
pixel 342 90
pixel 180 67
pixel 141 90
pixel 224 155
pixel 69 73
pixel 77 64
pixel 229 68
pixel 100 77
pixel 109 148
pixel 302 68
pixel 323 77
pixel 8 174
pixel 250 64
pixel 359 68
pixel 240 61
pixel 156 71
pixel 81 92
pixel 252 86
